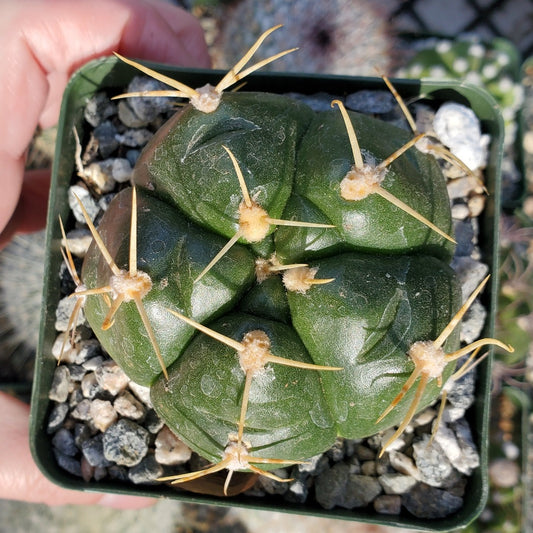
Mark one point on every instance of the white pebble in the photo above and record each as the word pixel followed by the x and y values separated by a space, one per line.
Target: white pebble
pixel 169 450
pixel 458 128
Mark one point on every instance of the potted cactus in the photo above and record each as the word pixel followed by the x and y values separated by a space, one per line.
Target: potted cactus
pixel 277 277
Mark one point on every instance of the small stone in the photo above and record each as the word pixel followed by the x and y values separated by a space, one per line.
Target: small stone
pixel 105 134
pixel 77 372
pixel 79 241
pixel 125 443
pixel 403 464
pixel 169 450
pixel 433 466
pixel 145 109
pixel 141 392
pixel 68 463
pixel 87 470
pixel 82 411
pixel 93 452
pixel 120 473
pixel 93 363
pixel 111 377
pixel 388 504
pixel 147 471
pixel 311 465
pixel 364 453
pixel 336 452
pixel 470 273
pixel 459 129
pixel 461 393
pixel 371 101
pixel 87 349
pixel 468 459
pixel 337 487
pixel 464 234
pixel 476 205
pixel 90 387
pixel 57 416
pixel 320 101
pixel 424 501
pixel 102 414
pixel 60 388
pixel 98 177
pixel 297 492
pixel 368 468
pixel 134 137
pixel 86 199
pixel 99 473
pixel 64 310
pixel 152 422
pixel 460 211
pixel 98 108
pixel 63 441
pixel 271 486
pixel 397 483
pixel 473 322
pixel 128 406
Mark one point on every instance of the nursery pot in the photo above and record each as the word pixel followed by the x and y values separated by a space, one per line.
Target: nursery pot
pixel 113 76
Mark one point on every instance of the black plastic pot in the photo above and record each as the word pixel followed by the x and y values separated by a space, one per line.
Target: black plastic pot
pixel 109 74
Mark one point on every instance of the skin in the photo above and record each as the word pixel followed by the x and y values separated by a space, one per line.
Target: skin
pixel 43 42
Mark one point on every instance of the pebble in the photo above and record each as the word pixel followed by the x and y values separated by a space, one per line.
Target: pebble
pixel 125 443
pixel 425 501
pixel 111 377
pixel 388 504
pixel 105 134
pixel 57 416
pixel 473 322
pixel 93 452
pixel 90 388
pixel 103 414
pixel 169 450
pixel 368 101
pixel 60 388
pixel 68 463
pixel 271 486
pixel 337 487
pixel 86 199
pixel 470 273
pixel 147 471
pixel 82 411
pixel 459 129
pixel 297 493
pixel 140 111
pixel 397 483
pixel 64 310
pixel 403 464
pixel 79 241
pixel 128 406
pixel 98 108
pixel 63 441
pixel 134 137
pixel 433 466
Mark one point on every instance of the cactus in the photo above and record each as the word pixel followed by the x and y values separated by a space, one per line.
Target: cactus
pixel 234 189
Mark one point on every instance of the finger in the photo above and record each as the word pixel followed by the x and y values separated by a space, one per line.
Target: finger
pixel 43 42
pixel 20 479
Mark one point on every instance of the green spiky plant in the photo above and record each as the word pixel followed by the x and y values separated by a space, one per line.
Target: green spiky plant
pixel 251 370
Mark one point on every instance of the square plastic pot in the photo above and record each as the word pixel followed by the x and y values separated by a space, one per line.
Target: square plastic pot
pixel 109 74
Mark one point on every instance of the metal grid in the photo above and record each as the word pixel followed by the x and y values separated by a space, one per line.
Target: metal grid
pixel 511 19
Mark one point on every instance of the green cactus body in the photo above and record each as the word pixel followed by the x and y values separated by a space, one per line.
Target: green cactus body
pixel 391 285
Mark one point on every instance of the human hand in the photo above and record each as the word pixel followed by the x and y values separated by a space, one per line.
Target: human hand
pixel 42 43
